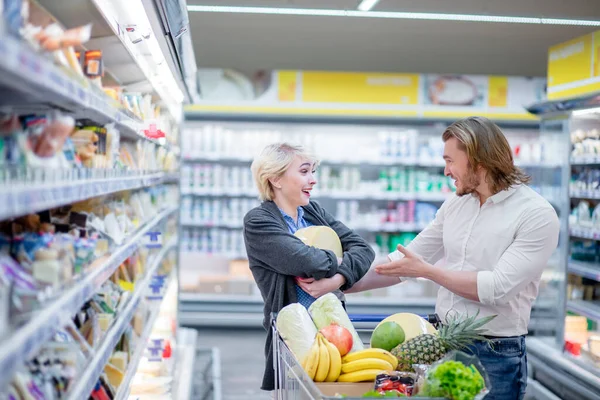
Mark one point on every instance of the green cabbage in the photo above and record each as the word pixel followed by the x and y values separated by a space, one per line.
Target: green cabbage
pixel 296 329
pixel 328 309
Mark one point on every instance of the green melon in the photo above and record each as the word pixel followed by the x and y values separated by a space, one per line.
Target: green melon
pixel 387 336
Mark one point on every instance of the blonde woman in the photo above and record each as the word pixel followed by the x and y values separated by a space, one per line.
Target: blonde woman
pixel 284 268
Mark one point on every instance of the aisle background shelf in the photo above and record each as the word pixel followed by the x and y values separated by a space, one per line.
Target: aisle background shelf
pixel 89 377
pixel 586 270
pixel 217 190
pixel 26 340
pixel 588 309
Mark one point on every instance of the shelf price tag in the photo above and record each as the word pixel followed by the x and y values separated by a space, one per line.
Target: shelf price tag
pixel 153 240
pixel 157 287
pixel 156 350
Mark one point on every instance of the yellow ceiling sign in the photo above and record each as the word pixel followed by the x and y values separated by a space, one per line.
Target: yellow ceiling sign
pixel 570 61
pixel 363 88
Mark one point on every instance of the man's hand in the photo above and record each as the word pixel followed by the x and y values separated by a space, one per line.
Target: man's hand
pixel 321 287
pixel 410 266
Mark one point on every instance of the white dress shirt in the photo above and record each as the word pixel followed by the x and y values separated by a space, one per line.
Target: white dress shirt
pixel 508 240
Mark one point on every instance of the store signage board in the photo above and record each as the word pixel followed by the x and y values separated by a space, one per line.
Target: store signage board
pixel 373 94
pixel 574 67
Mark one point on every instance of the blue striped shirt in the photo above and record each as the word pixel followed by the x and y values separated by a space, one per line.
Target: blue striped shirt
pixel 303 298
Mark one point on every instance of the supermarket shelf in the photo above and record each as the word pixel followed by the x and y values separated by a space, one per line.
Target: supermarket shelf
pixel 387 227
pixel 221 225
pixel 27 340
pixel 337 195
pixel 560 372
pixel 24 198
pixel 38 80
pixel 391 227
pixel 585 160
pixel 186 357
pixel 403 161
pixel 229 320
pixel 586 270
pixel 585 194
pixel 584 233
pixel 132 366
pixel 87 380
pixel 587 309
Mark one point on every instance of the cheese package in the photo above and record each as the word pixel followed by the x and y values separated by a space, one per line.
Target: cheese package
pixel 119 360
pixel 115 375
pixel 321 237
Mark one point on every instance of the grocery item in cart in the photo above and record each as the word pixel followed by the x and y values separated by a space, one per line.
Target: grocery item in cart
pixel 456 334
pixel 396 382
pixel 339 336
pixel 328 309
pixel 297 329
pixel 458 376
pixel 323 362
pixel 387 336
pixel 364 365
pixel 413 325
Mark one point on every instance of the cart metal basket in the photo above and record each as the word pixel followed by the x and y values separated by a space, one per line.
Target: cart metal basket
pixel 292 382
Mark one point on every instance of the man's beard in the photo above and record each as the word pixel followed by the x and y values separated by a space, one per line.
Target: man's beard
pixel 469 184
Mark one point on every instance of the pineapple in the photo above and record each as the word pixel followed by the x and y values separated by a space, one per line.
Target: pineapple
pixel 429 348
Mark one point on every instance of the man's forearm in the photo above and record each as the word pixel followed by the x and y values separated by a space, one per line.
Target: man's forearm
pixel 372 280
pixel 462 283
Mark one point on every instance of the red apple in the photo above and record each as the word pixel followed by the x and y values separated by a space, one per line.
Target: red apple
pixel 339 336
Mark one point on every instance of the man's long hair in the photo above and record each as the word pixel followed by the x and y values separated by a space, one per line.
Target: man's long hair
pixel 486 146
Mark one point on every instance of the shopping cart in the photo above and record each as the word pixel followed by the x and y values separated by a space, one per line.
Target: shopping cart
pixel 292 382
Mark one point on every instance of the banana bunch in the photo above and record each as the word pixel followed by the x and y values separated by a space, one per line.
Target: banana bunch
pixel 365 365
pixel 323 362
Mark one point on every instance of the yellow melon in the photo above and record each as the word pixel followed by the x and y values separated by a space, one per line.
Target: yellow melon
pixel 412 324
pixel 321 237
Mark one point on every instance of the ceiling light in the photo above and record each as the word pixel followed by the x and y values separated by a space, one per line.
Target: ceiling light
pixel 393 15
pixel 587 111
pixel 366 5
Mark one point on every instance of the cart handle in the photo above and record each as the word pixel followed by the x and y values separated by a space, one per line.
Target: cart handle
pixel 431 318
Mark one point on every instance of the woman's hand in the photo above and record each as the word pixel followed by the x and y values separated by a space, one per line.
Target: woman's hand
pixel 321 287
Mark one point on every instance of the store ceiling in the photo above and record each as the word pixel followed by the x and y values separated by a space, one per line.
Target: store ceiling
pixel 249 43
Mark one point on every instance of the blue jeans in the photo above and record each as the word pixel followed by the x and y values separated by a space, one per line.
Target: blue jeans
pixel 505 360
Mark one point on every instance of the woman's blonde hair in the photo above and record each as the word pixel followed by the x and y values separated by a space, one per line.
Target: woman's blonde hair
pixel 272 162
pixel 486 146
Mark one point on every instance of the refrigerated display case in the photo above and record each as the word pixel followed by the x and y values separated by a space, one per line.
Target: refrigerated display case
pixel 567 364
pixel 383 178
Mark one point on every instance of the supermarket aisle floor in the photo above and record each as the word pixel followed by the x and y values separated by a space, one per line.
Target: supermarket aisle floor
pixel 242 361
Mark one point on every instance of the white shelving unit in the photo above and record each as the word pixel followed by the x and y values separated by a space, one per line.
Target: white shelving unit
pixel 36 77
pixel 88 379
pixel 33 83
pixel 27 339
pixel 132 366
